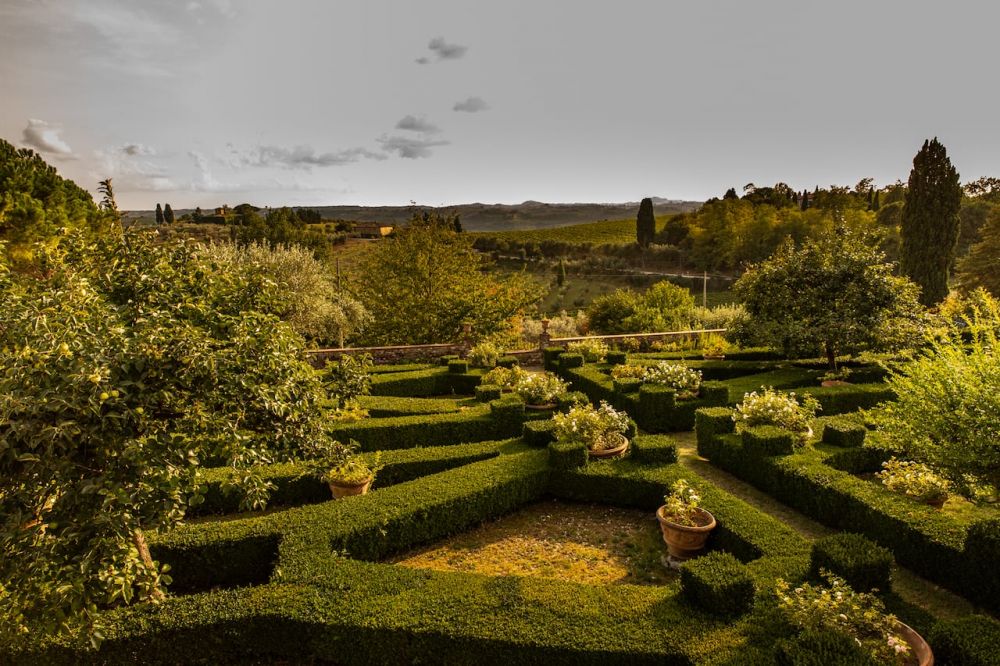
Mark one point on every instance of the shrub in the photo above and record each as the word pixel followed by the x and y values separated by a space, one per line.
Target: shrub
pixel 837 607
pixel 540 388
pixel 458 366
pixel 629 371
pixel 681 504
pixel 596 429
pixel 973 640
pixel 539 433
pixel 567 455
pixel 769 407
pixel 568 401
pixel 592 349
pixel 768 440
pixel 351 471
pixel 618 357
pixel 711 423
pixel 348 379
pixel 486 354
pixel 550 357
pixel 861 562
pixel 506 378
pixel 488 392
pixel 656 449
pixel 507 361
pixel 682 379
pixel 568 360
pixel 914 480
pixel 626 385
pixel 821 648
pixel 718 583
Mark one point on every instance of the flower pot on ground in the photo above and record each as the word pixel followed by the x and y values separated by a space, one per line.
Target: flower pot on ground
pixel 601 430
pixel 920 650
pixel 771 407
pixel 540 390
pixel 684 524
pixel 350 476
pixel 914 480
pixel 685 381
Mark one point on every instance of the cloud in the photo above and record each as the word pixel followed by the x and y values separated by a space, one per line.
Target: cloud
pixel 414 124
pixel 45 137
pixel 442 51
pixel 136 150
pixel 131 171
pixel 205 181
pixel 410 147
pixel 304 157
pixel 471 105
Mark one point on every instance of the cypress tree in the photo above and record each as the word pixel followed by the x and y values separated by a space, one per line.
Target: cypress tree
pixel 875 204
pixel 168 214
pixel 561 278
pixel 645 224
pixel 159 214
pixel 804 205
pixel 929 226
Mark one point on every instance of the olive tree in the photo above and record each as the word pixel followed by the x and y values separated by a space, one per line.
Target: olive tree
pixel 125 367
pixel 833 295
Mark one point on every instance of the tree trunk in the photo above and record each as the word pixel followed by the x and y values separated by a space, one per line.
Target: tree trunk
pixel 831 357
pixel 140 543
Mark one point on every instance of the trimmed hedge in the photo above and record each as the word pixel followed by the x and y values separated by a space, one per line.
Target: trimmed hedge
pixel 768 440
pixel 430 382
pixel 718 583
pixel 458 366
pixel 626 385
pixel 821 648
pixel 711 423
pixel 567 455
pixel 507 362
pixel 844 432
pixel 616 358
pixel 550 358
pixel 382 406
pixel 973 640
pixel 539 433
pixel 476 424
pixel 488 392
pixel 861 562
pixel 850 397
pixel 568 361
pixel 654 449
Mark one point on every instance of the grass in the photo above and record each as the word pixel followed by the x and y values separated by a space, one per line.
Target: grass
pixel 590 544
pixel 604 232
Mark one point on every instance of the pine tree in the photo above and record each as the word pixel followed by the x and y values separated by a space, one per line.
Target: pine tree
pixel 981 267
pixel 159 214
pixel 930 225
pixel 645 226
pixel 804 205
pixel 875 203
pixel 731 194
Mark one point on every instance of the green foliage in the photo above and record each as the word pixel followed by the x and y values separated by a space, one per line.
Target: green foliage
pixel 305 295
pixel 973 640
pixel 348 378
pixel 645 225
pixel 424 282
pixel 124 366
pixel 844 432
pixel 718 583
pixel 861 562
pixel 929 226
pixel 979 268
pixel 663 307
pixel 281 227
pixel 834 294
pixel 948 407
pixel 769 440
pixel 488 392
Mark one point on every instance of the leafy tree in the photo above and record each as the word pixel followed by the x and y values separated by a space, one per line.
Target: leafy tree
pixel 981 268
pixel 833 295
pixel 421 284
pixel 929 227
pixel 645 224
pixel 150 361
pixel 731 194
pixel 947 411
pixel 159 214
pixel 168 214
pixel 986 188
pixel 663 307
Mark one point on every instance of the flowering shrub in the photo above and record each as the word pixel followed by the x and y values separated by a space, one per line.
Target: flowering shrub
pixel 769 407
pixel 593 351
pixel 563 325
pixel 628 371
pixel 680 505
pixel 598 428
pixel 485 355
pixel 860 615
pixel 504 377
pixel 684 379
pixel 540 388
pixel 913 479
pixel 714 345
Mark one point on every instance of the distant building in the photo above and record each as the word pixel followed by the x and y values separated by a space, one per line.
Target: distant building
pixel 372 229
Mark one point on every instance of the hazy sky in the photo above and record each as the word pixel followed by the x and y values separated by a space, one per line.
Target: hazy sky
pixel 374 102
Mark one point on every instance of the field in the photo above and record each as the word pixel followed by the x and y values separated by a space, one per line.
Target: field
pixel 603 232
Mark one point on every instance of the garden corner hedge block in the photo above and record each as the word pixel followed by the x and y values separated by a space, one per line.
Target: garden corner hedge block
pixel 861 562
pixel 768 441
pixel 845 433
pixel 718 583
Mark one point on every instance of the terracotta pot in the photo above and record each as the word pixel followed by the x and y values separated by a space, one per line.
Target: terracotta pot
pixel 833 382
pixel 541 408
pixel 684 542
pixel 610 453
pixel 713 357
pixel 340 490
pixel 921 654
pixel 938 503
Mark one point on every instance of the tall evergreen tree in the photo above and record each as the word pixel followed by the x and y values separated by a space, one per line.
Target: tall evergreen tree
pixel 159 214
pixel 875 202
pixel 731 194
pixel 561 278
pixel 929 226
pixel 645 225
pixel 804 204
pixel 168 214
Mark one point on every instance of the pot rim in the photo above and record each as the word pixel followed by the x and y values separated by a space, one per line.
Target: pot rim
pixel 340 484
pixel 707 527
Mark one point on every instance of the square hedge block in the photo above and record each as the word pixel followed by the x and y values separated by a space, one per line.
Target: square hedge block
pixel 714 393
pixel 507 362
pixel 627 385
pixel 567 455
pixel 768 440
pixel 445 360
pixel 488 392
pixel 539 433
pixel 550 357
pixel 616 358
pixel 567 361
pixel 712 422
pixel 973 640
pixel 657 449
pixel 861 562
pixel 844 432
pixel 567 401
pixel 458 366
pixel 718 583
pixel 508 410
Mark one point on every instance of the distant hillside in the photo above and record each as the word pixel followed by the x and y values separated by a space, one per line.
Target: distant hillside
pixel 603 232
pixel 492 217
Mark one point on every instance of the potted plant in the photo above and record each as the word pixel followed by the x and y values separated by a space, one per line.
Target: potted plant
pixel 769 407
pixel 860 615
pixel 592 350
pixel 714 348
pixel 914 480
pixel 685 525
pixel 505 378
pixel 684 380
pixel 835 377
pixel 351 476
pixel 540 390
pixel 601 430
pixel 486 354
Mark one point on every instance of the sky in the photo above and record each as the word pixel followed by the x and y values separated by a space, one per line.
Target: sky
pixel 312 102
